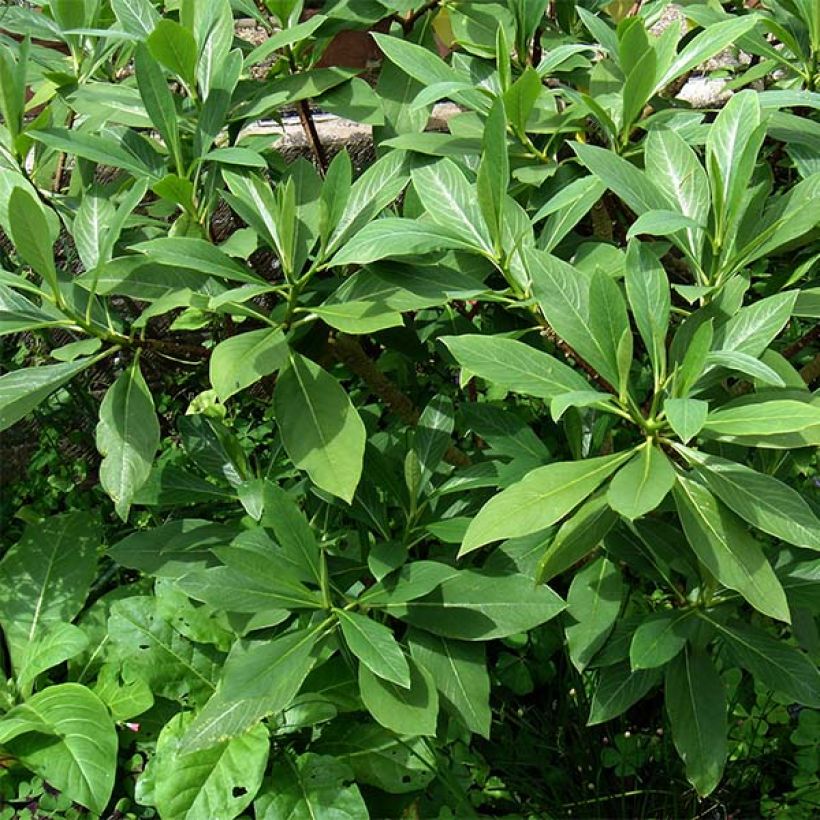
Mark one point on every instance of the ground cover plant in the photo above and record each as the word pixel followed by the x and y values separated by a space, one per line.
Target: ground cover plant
pixel 479 481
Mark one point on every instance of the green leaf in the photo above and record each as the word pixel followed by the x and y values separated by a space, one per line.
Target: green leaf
pixel 641 485
pixel 397 765
pixel 22 390
pixel 725 547
pixel 197 254
pixel 148 645
pixel 173 548
pixel 731 150
pixel 576 537
pixel 618 688
pixel 45 577
pixel 709 42
pixel 396 237
pixel 658 639
pixel 310 786
pixel 766 418
pixel 647 289
pixel 566 209
pixel 432 438
pixel 608 324
pixel 158 101
pixel 56 643
pixel 92 223
pixel 638 88
pixel 459 670
pixel 514 365
pixel 321 430
pixel 137 17
pixel 127 438
pixel 406 711
pixel 577 398
pixel 413 580
pixel 675 170
pixel 284 37
pixel 494 171
pixel 696 705
pixel 216 782
pixel 374 645
pixel 686 416
pixel 82 760
pixel 661 223
pixel 762 500
pixel 31 234
pixel 372 192
pixel 258 680
pixel 241 360
pixel 136 155
pixel 542 497
pixel 594 601
pixel 174 46
pixel 772 662
pixel 753 328
pixel 452 203
pixel 358 318
pixel 632 185
pixel 694 359
pixel 564 294
pixel 475 606
pixel 292 531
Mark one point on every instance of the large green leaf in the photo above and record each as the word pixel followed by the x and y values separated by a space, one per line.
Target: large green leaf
pixel 731 150
pixel 258 680
pixel 146 642
pixel 310 787
pixel 723 544
pixel 594 601
pixel 127 437
pixel 54 644
pixel 631 184
pixel 459 670
pixel 373 191
pixel 773 662
pixel 158 100
pixel 395 237
pixel 174 46
pixel 405 711
pixel 514 365
pixel 321 430
pixel 378 757
pixel 82 760
pixel 241 360
pixel 452 203
pixel 762 500
pixel 754 327
pixel 542 497
pixel 765 418
pixel 675 170
pixel 217 782
pixel 477 606
pixel 696 705
pixel 45 577
pixel 647 289
pixel 374 645
pixel 189 252
pixel 658 639
pixel 641 485
pixel 577 537
pixel 618 688
pixel 31 234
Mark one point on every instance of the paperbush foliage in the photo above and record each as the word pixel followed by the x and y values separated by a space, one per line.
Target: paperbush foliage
pixel 543 366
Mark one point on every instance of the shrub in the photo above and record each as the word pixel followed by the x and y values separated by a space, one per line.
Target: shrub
pixel 524 404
